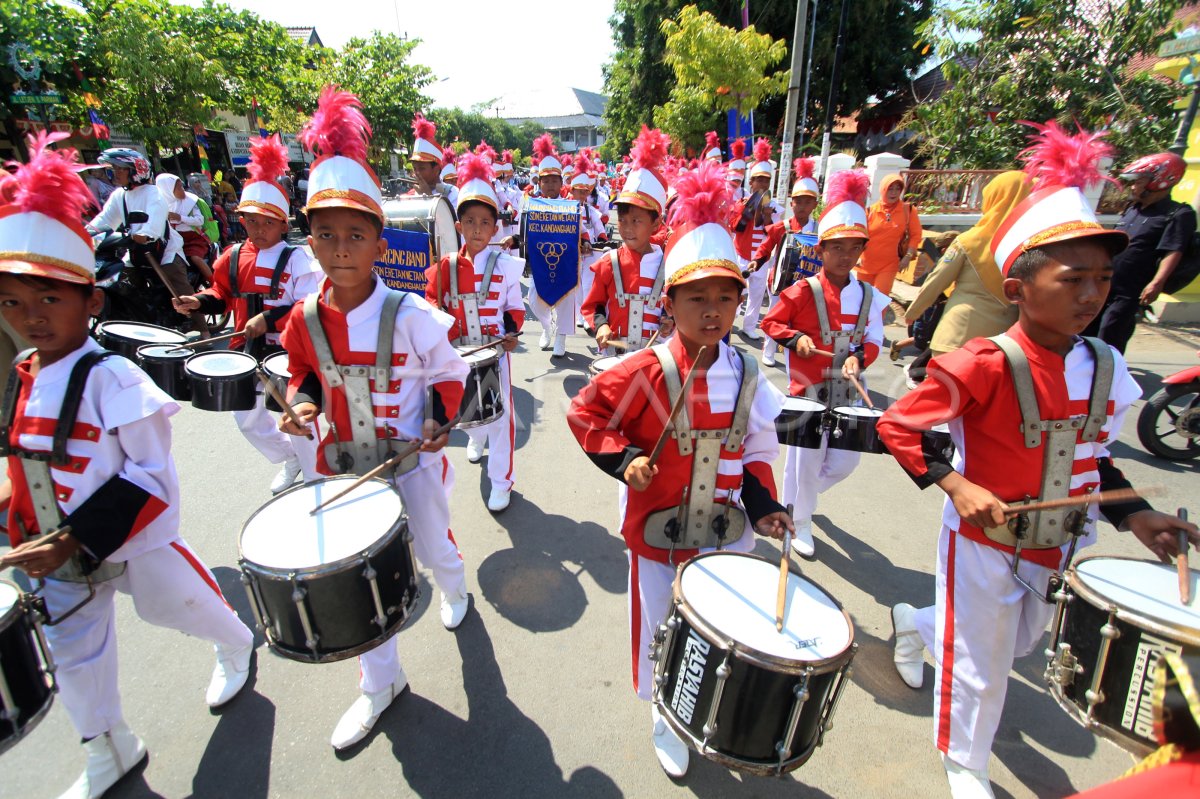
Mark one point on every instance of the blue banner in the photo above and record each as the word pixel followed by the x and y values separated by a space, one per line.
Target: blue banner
pixel 810 261
pixel 408 255
pixel 552 229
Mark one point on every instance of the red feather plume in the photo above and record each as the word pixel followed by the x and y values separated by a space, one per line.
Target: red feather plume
pixel 737 150
pixel 710 141
pixel 268 159
pixel 50 184
pixel 762 149
pixel 803 168
pixel 486 151
pixel 473 165
pixel 448 156
pixel 1059 158
pixel 8 187
pixel 506 157
pixel 338 127
pixel 422 128
pixel 850 185
pixel 650 148
pixel 702 196
pixel 543 147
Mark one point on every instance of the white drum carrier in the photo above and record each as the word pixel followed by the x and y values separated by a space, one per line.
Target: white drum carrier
pixel 637 302
pixel 836 390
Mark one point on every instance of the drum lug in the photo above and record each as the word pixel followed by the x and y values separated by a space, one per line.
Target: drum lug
pixel 1093 695
pixel 801 694
pixel 1063 667
pixel 723 672
pixel 843 678
pixel 369 574
pixel 310 638
pixel 260 617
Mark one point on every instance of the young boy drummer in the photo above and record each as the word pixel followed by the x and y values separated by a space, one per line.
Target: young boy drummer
pixel 749 221
pixel 261 279
pixel 1030 413
pixel 804 201
pixel 724 475
pixel 110 478
pixel 413 386
pixel 836 313
pixel 623 304
pixel 481 288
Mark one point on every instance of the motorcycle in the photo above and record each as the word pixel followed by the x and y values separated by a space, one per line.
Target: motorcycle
pixel 1169 424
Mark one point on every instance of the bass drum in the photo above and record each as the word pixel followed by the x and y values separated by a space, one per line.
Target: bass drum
pixel 423 213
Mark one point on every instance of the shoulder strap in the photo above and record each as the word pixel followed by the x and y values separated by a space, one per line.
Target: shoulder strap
pixel 1102 377
pixel 234 256
pixel 453 280
pixel 320 343
pixel 280 265
pixel 1018 366
pixel 822 312
pixel 745 402
pixel 681 425
pixel 618 281
pixel 9 408
pixel 489 267
pixel 383 342
pixel 71 402
pixel 864 312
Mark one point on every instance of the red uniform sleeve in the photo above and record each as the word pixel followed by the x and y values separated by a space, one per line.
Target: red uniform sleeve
pixel 779 324
pixel 220 287
pixel 447 396
pixel 432 282
pixel 595 304
pixel 302 361
pixel 774 235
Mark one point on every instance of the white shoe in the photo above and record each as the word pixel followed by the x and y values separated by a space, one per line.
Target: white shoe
pixel 672 752
pixel 909 653
pixel 287 475
pixel 229 675
pixel 768 357
pixel 802 541
pixel 753 335
pixel 474 450
pixel 544 340
pixel 499 498
pixel 362 715
pixel 560 345
pixel 109 758
pixel 454 609
pixel 967 783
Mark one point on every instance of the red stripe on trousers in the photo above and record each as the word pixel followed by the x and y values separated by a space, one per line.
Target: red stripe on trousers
pixel 449 532
pixel 512 423
pixel 947 685
pixel 635 616
pixel 200 570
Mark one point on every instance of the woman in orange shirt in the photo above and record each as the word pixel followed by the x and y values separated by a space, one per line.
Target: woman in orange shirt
pixel 887 223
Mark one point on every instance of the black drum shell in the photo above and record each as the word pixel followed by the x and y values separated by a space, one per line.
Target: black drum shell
pixel 280 382
pixel 474 410
pixel 223 392
pixel 168 373
pixel 24 673
pixel 801 429
pixel 938 441
pixel 128 346
pixel 854 432
pixel 340 605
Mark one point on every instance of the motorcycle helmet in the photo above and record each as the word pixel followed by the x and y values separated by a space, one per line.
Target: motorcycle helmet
pixel 1163 169
pixel 138 165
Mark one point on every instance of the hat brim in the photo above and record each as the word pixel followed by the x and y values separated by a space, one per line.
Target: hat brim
pixel 344 202
pixel 44 270
pixel 701 270
pixel 261 210
pixel 1115 240
pixel 844 233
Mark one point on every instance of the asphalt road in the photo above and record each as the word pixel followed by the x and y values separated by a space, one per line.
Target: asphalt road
pixel 531 697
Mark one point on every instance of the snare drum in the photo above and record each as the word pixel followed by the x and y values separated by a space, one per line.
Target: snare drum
pixel 799 423
pixel 1115 618
pixel 276 367
pixel 223 380
pixel 164 363
pixel 483 399
pixel 739 692
pixel 604 363
pixel 124 338
pixel 26 669
pixel 330 585
pixel 429 214
pixel 938 440
pixel 852 427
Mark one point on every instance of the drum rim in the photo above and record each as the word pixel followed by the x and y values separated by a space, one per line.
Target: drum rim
pixel 15 609
pixel 1127 742
pixel 481 358
pixel 159 358
pixel 744 652
pixel 105 328
pixel 236 376
pixel 307 572
pixel 1185 635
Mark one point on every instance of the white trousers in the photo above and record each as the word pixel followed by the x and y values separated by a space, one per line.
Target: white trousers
pixel 808 473
pixel 424 491
pixel 983 619
pixel 261 429
pixel 756 286
pixel 557 320
pixel 501 432
pixel 769 344
pixel 170 587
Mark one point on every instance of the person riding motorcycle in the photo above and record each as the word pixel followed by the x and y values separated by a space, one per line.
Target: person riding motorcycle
pixel 154 241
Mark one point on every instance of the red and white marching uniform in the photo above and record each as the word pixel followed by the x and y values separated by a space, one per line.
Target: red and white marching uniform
pixel 119 492
pixel 983 618
pixel 746 242
pixel 765 253
pixel 247 293
pixel 607 303
pixel 807 471
pixel 592 224
pixel 620 415
pixel 424 368
pixel 500 311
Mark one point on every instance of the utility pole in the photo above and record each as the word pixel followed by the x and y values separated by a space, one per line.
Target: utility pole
pixel 793 102
pixel 812 41
pixel 834 76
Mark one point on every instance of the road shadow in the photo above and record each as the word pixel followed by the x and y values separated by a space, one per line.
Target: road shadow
pixel 869 569
pixel 1125 452
pixel 526 412
pixel 237 758
pixel 531 585
pixel 133 785
pixel 497 751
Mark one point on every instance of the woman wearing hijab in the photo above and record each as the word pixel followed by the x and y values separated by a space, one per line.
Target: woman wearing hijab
pixel 184 214
pixel 977 306
pixel 895 231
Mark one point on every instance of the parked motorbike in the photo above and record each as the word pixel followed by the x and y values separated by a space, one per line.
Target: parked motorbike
pixel 1169 424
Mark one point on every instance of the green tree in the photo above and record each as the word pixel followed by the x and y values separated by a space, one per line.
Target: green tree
pixel 1039 60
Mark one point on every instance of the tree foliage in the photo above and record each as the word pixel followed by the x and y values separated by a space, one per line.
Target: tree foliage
pixel 1044 59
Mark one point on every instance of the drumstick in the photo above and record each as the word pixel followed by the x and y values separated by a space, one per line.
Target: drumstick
pixel 202 342
pixel 687 382
pixel 862 392
pixel 283 403
pixel 161 275
pixel 496 343
pixel 781 593
pixel 1100 497
pixel 48 538
pixel 1185 582
pixel 389 463
pixel 654 337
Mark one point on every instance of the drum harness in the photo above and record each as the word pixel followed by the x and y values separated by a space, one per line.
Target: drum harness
pixel 836 389
pixel 365 449
pixel 256 347
pixel 471 300
pixel 699 520
pixel 1048 529
pixel 36 468
pixel 637 302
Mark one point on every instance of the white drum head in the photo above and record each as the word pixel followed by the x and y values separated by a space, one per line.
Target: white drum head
pixel 164 351
pixel 147 333
pixel 857 410
pixel 445 237
pixel 283 535
pixel 1148 589
pixel 8 597
pixel 606 363
pixel 277 365
pixel 221 364
pixel 802 405
pixel 735 594
pixel 490 354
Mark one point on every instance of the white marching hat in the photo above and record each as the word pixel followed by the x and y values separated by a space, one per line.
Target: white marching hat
pixel 339 134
